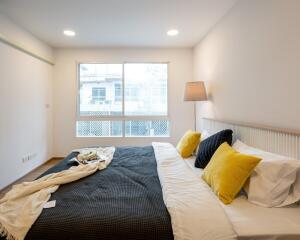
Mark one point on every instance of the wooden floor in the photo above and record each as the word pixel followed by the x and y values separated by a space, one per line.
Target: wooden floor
pixel 33 175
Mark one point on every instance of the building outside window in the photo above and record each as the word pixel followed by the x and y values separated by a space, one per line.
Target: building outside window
pixel 118 92
pixel 98 95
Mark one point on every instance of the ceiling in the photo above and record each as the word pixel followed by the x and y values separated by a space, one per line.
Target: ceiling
pixel 117 23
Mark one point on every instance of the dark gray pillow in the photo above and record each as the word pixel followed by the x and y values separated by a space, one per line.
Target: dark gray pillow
pixel 208 147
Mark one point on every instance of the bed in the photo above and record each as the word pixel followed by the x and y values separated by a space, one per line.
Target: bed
pixel 254 222
pixel 152 193
pixel 123 201
pixel 251 221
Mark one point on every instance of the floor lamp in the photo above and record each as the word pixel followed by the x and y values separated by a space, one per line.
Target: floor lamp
pixel 195 91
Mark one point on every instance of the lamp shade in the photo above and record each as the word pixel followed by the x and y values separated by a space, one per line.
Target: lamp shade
pixel 195 91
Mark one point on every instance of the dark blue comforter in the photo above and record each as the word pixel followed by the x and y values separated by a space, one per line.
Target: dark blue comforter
pixel 123 201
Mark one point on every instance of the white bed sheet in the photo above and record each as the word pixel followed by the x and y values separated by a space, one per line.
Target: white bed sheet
pixel 254 222
pixel 193 207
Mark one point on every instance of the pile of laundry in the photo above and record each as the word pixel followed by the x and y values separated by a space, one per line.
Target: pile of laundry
pixel 90 155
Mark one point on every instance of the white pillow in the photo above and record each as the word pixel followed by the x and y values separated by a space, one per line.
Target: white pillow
pixel 275 182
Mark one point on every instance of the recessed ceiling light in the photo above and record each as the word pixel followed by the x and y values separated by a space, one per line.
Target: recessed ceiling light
pixel 69 33
pixel 172 32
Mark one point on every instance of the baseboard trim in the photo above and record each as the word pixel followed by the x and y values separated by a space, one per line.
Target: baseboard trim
pixel 55 158
pixel 11 184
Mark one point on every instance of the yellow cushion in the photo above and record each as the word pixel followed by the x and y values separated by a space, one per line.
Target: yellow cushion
pixel 188 143
pixel 227 172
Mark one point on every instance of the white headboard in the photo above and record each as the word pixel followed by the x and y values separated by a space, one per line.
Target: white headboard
pixel 281 141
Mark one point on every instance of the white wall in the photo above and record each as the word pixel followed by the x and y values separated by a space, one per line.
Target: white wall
pixel 25 89
pixel 251 64
pixel 24 38
pixel 65 91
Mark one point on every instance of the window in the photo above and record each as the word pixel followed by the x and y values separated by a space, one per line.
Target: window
pixel 141 84
pixel 96 89
pixel 99 128
pixel 136 128
pixel 118 100
pixel 98 95
pixel 118 92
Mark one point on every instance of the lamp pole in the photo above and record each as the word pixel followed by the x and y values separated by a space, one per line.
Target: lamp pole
pixel 195 115
pixel 195 91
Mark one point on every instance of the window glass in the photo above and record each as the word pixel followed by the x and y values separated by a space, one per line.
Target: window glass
pixel 118 92
pixel 97 89
pixel 148 128
pixel 99 128
pixel 102 105
pixel 146 89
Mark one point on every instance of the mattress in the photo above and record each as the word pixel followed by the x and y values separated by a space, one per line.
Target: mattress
pixel 254 222
pixel 123 201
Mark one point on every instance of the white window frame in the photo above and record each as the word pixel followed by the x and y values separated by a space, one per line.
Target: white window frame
pixel 122 117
